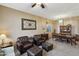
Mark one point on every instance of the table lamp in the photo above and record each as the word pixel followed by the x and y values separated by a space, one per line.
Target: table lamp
pixel 2 37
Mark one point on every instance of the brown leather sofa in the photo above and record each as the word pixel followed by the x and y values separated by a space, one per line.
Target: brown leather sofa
pixel 39 39
pixel 23 43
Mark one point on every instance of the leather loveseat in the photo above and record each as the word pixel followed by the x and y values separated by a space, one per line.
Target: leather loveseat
pixel 40 38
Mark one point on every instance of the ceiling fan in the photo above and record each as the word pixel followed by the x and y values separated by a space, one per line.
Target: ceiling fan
pixel 41 5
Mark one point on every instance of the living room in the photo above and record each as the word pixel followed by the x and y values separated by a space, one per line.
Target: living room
pixel 18 23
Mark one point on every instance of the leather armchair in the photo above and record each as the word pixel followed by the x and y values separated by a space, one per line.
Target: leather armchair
pixel 23 43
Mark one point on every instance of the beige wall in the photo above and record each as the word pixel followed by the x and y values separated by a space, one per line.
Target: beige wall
pixel 10 20
pixel 0 15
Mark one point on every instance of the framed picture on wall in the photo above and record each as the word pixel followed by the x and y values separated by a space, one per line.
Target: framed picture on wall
pixel 28 24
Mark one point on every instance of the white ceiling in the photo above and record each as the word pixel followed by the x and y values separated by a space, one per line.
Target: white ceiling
pixel 51 11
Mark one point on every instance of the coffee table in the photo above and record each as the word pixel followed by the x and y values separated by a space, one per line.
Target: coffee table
pixel 34 51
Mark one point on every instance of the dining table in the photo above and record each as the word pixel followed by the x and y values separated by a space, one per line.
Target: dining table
pixel 67 38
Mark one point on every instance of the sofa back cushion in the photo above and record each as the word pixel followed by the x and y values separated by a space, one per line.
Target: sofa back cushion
pixel 37 37
pixel 23 39
pixel 45 36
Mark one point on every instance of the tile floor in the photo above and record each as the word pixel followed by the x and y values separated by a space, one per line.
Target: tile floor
pixel 63 49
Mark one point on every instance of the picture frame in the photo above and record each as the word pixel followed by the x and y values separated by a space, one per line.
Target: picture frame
pixel 28 24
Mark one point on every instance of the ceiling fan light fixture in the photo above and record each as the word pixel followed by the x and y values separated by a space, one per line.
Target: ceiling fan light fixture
pixel 42 5
pixel 38 4
pixel 33 5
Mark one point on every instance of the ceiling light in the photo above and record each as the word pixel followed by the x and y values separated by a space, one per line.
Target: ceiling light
pixel 60 16
pixel 60 20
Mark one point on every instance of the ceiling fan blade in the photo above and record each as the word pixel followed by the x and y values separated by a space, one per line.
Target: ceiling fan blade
pixel 33 5
pixel 42 5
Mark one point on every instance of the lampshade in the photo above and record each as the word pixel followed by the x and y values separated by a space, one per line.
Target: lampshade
pixel 3 36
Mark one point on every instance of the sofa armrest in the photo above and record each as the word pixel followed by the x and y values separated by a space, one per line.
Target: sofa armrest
pixel 16 51
pixel 19 44
pixel 31 39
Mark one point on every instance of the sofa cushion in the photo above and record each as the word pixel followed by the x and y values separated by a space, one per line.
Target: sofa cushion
pixel 28 45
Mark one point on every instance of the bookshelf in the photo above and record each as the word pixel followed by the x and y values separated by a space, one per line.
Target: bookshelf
pixel 66 30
